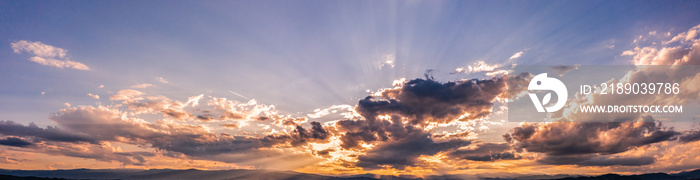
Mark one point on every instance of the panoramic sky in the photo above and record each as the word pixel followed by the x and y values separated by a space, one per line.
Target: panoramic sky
pixel 330 87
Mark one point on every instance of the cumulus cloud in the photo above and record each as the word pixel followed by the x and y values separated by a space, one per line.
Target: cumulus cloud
pixel 687 36
pixel 392 121
pixel 687 52
pixel 47 55
pixel 647 70
pixel 569 138
pixel 426 100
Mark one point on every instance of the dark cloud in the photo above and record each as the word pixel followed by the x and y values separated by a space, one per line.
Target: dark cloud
pixel 487 152
pixel 421 101
pixel 405 151
pixel 426 100
pixel 401 139
pixel 13 141
pixel 689 136
pixel 10 128
pixel 569 138
pixel 595 160
pixel 300 136
pixel 397 145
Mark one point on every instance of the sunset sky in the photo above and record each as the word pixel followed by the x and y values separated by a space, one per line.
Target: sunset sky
pixel 334 87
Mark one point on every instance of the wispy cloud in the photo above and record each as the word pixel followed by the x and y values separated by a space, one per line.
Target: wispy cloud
pixel 143 85
pixel 516 55
pixel 387 60
pixel 162 80
pixel 47 55
pixel 95 96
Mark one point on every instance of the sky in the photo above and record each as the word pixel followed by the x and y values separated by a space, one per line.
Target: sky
pixel 329 87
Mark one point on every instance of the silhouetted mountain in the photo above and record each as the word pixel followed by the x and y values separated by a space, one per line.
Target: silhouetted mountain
pixel 9 177
pixel 690 174
pixel 649 176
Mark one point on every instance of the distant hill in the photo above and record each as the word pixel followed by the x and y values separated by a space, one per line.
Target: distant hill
pixel 268 174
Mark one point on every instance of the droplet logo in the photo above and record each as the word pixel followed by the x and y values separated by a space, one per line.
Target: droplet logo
pixel 544 83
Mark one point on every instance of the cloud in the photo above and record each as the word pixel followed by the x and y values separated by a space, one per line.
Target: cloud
pixel 13 141
pixel 143 85
pixel 487 152
pixel 349 111
pixel 689 136
pixel 11 128
pixel 689 35
pixel 387 60
pixel 481 66
pixel 685 53
pixel 404 151
pixel 563 69
pixel 194 100
pixel 571 138
pixel 516 55
pixel 47 55
pixel 426 100
pixel 8 159
pixel 300 136
pixel 230 125
pixel 87 132
pixel 392 121
pixel 162 80
pixel 127 95
pixel 59 63
pixel 38 49
pixel 95 96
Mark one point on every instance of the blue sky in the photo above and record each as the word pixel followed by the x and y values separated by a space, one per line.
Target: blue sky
pixel 302 55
